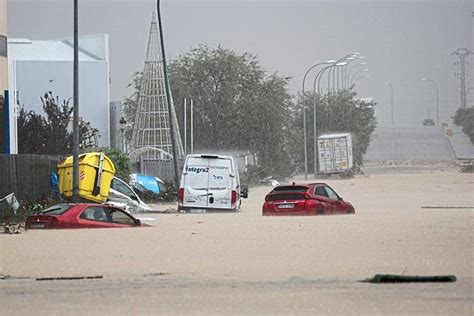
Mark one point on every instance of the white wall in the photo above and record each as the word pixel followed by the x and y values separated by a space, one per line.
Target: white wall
pixel 34 78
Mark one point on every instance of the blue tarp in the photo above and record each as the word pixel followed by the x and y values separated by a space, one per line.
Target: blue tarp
pixel 149 182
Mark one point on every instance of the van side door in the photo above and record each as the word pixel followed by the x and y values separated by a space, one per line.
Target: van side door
pixel 220 183
pixel 196 183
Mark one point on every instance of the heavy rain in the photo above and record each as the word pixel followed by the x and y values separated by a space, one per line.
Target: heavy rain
pixel 253 156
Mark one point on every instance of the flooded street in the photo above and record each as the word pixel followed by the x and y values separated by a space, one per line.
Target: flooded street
pixel 418 223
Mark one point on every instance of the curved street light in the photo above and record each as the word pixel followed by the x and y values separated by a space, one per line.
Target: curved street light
pixel 320 75
pixel 337 63
pixel 391 100
pixel 349 71
pixel 356 73
pixel 344 83
pixel 335 76
pixel 304 119
pixel 437 98
pixel 315 147
pixel 358 78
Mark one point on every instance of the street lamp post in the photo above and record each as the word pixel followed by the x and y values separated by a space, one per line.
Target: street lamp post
pixel 341 62
pixel 358 78
pixel 356 73
pixel 437 98
pixel 344 71
pixel 75 124
pixel 320 75
pixel 335 77
pixel 329 78
pixel 315 147
pixel 185 128
pixel 168 96
pixel 349 71
pixel 304 120
pixel 123 123
pixel 391 101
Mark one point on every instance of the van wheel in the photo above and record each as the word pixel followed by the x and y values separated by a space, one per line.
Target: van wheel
pixel 183 210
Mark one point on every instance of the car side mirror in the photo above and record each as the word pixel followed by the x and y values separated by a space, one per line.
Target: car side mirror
pixel 133 197
pixel 244 192
pixel 232 175
pixel 137 222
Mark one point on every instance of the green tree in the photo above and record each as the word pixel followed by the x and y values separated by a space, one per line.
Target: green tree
pixel 465 119
pixel 339 113
pixel 237 105
pixel 49 134
pixel 121 161
pixel 130 103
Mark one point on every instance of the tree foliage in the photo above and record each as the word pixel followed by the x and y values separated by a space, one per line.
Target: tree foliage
pixel 465 119
pixel 239 106
pixel 121 161
pixel 38 134
pixel 341 112
pixel 130 103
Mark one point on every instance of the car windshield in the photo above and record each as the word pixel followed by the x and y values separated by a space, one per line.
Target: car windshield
pixel 56 210
pixel 122 188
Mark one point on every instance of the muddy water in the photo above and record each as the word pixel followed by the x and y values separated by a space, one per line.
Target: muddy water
pixel 244 263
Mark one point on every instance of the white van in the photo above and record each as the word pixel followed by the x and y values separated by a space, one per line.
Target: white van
pixel 210 182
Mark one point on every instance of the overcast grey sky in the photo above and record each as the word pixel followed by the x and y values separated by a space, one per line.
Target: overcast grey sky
pixel 403 41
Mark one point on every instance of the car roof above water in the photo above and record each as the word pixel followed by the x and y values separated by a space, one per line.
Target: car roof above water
pixel 297 186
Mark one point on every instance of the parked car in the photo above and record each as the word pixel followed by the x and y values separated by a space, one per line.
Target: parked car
pixel 305 199
pixel 122 195
pixel 81 215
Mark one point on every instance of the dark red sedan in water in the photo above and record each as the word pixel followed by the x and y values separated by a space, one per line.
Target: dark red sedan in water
pixel 305 199
pixel 82 215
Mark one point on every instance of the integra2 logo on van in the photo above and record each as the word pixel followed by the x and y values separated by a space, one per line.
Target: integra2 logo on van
pixel 197 170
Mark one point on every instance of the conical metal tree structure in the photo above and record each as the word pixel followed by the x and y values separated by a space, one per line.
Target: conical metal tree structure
pixel 151 130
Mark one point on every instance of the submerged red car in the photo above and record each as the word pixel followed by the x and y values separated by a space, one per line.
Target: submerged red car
pixel 82 215
pixel 305 199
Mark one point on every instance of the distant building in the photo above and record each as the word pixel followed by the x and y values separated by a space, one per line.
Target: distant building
pixel 38 66
pixel 4 139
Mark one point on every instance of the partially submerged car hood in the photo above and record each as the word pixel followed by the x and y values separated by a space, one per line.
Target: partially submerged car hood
pixel 119 199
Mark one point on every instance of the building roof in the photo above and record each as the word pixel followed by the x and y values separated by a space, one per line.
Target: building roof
pixel 47 50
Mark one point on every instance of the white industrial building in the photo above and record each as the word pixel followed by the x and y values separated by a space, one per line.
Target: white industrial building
pixel 38 66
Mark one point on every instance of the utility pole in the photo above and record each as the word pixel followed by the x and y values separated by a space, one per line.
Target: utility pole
pixel 75 120
pixel 437 98
pixel 391 101
pixel 462 54
pixel 185 131
pixel 168 97
pixel 192 127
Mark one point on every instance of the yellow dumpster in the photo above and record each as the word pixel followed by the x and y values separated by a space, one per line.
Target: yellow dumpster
pixel 449 131
pixel 96 171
